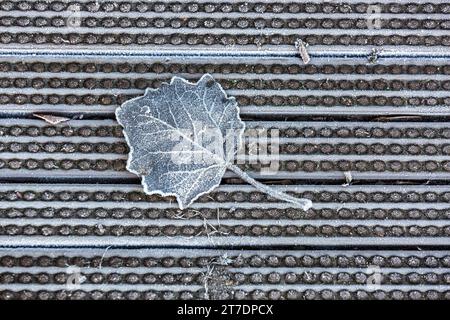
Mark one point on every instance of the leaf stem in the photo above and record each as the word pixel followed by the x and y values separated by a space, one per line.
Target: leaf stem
pixel 305 204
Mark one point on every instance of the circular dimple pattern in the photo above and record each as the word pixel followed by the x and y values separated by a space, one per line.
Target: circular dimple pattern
pixel 243 100
pixel 289 166
pixel 328 260
pixel 365 149
pixel 224 23
pixel 191 39
pixel 235 197
pixel 241 214
pixel 65 164
pixel 237 278
pixel 309 294
pixel 233 277
pixel 342 230
pixel 293 132
pixel 225 7
pixel 195 68
pixel 62 130
pixel 229 84
pixel 68 147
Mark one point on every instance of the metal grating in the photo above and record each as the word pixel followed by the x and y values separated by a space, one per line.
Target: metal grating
pixel 218 274
pixel 373 102
pixel 217 24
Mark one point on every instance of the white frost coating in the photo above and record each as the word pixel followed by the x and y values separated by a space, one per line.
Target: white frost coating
pixel 182 138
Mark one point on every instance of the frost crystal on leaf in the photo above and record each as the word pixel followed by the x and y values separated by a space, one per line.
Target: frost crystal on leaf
pixel 182 138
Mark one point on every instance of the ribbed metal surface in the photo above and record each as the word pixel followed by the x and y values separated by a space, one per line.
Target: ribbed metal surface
pixel 373 104
pixel 104 215
pixel 213 24
pixel 263 85
pixel 307 150
pixel 199 274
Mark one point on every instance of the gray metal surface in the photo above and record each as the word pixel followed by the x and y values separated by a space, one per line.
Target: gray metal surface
pixel 224 274
pixel 263 85
pixel 307 150
pixel 237 215
pixel 216 25
pixel 372 103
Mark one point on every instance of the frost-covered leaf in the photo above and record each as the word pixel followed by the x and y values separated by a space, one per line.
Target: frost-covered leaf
pixel 183 136
pixel 177 137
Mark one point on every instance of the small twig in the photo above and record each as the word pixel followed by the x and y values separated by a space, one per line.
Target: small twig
pixel 302 50
pixel 374 55
pixel 207 276
pixel 348 178
pixel 103 257
pixel 389 118
pixel 218 218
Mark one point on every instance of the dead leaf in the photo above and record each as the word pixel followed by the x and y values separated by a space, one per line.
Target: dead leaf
pixel 50 118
